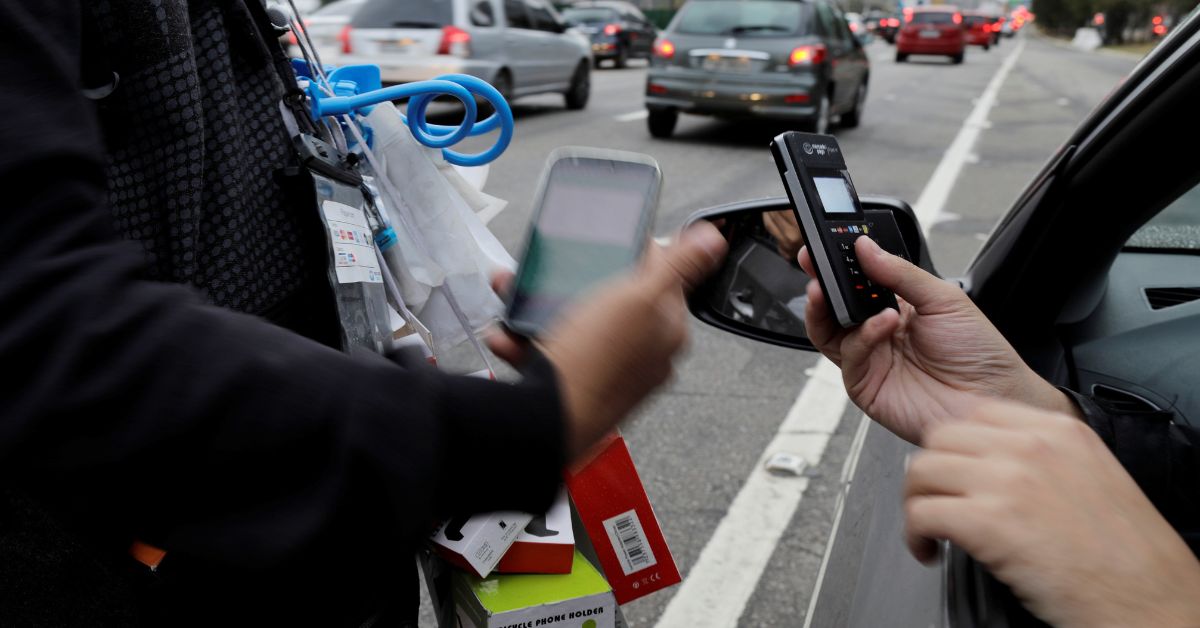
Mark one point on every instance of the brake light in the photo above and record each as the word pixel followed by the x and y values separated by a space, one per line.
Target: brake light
pixel 958 18
pixel 908 14
pixel 1157 20
pixel 455 41
pixel 664 48
pixel 997 27
pixel 1160 30
pixel 894 22
pixel 807 55
pixel 612 29
pixel 344 37
pixel 853 27
pixel 655 88
pixel 796 99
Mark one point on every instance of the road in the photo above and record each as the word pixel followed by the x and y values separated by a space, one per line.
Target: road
pixel 697 443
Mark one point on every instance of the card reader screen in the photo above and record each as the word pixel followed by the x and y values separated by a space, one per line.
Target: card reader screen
pixel 835 195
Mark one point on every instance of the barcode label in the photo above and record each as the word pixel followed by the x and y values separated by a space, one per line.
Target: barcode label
pixel 629 542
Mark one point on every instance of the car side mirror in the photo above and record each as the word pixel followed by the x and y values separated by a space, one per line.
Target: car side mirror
pixel 759 292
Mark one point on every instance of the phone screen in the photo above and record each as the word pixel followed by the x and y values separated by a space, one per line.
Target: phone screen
pixel 589 228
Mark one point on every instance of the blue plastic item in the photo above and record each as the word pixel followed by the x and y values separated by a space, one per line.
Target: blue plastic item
pixel 357 88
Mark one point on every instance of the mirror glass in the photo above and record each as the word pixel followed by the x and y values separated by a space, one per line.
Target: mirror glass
pixel 760 290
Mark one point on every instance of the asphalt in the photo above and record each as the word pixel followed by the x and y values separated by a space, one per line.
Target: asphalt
pixel 696 442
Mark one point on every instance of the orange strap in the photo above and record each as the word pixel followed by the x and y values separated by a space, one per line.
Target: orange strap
pixel 147 555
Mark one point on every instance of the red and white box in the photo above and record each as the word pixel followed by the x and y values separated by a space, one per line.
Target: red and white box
pixel 614 509
pixel 546 545
pixel 477 543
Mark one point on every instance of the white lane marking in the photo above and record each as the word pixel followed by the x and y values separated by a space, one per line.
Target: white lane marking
pixel 930 208
pixel 937 190
pixel 717 588
pixel 640 114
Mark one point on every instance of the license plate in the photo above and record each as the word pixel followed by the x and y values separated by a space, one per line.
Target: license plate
pixel 402 46
pixel 930 34
pixel 726 64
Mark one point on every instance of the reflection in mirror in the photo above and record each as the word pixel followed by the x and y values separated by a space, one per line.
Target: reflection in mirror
pixel 761 285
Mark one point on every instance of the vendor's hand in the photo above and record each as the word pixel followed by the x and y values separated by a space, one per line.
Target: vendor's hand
pixel 611 349
pixel 783 227
pixel 927 362
pixel 1037 498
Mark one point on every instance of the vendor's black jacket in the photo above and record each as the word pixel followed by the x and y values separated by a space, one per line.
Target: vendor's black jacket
pixel 285 478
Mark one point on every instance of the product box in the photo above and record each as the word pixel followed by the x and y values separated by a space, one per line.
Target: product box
pixel 613 507
pixel 579 599
pixel 477 543
pixel 546 545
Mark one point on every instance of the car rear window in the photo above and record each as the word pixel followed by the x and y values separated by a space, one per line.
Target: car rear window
pixel 579 16
pixel 405 14
pixel 745 18
pixel 933 17
pixel 975 20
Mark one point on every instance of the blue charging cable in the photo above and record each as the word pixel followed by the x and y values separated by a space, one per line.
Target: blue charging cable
pixel 359 88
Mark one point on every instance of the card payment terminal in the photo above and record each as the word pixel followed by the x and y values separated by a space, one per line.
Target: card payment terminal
pixel 831 219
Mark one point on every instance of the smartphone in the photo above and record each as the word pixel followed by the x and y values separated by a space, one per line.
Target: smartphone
pixel 831 218
pixel 591 220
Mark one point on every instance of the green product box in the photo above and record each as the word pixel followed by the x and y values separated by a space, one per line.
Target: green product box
pixel 580 599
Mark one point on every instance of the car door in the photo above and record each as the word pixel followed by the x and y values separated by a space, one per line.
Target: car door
pixel 844 70
pixel 558 55
pixel 520 46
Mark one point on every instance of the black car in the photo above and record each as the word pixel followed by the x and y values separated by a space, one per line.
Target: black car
pixel 778 59
pixel 884 25
pixel 618 30
pixel 1093 276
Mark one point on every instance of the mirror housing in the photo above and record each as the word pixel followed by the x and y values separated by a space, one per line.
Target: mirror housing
pixel 759 292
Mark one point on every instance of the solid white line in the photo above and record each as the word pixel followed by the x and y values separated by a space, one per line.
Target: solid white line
pixel 640 114
pixel 937 190
pixel 930 207
pixel 727 572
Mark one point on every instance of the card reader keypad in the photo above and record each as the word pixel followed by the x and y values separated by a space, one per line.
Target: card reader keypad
pixel 844 235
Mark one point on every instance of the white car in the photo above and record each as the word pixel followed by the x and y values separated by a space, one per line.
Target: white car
pixel 327 28
pixel 521 47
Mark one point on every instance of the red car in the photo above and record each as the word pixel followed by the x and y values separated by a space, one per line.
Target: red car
pixel 932 30
pixel 978 27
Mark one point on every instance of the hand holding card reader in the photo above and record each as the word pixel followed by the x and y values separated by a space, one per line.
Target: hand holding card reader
pixel 831 219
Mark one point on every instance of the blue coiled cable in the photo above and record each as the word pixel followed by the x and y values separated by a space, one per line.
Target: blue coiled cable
pixel 420 94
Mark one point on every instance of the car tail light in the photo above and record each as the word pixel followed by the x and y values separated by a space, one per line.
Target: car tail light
pixel 807 55
pixel 796 99
pixel 853 27
pixel 612 29
pixel 894 22
pixel 1160 30
pixel 455 41
pixel 664 48
pixel 908 14
pixel 996 27
pixel 344 37
pixel 958 18
pixel 655 88
pixel 1157 20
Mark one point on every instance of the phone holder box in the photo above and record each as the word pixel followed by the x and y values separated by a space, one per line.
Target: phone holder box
pixel 546 545
pixel 577 599
pixel 478 543
pixel 620 523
